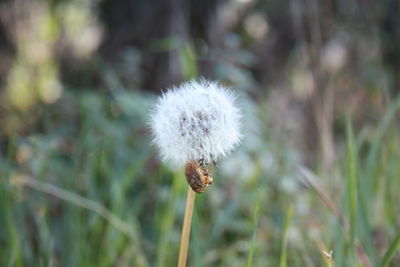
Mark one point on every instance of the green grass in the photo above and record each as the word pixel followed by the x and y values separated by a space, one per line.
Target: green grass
pixel 391 250
pixel 283 259
pixel 351 188
pixel 255 227
pixel 88 190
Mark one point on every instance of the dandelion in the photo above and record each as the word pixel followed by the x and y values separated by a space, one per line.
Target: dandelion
pixel 197 121
pixel 195 124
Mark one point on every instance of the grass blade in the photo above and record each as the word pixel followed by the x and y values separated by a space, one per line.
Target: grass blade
pixel 352 185
pixel 256 219
pixel 283 261
pixel 390 252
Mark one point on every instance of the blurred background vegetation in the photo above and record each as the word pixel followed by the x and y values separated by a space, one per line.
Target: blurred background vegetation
pixel 318 170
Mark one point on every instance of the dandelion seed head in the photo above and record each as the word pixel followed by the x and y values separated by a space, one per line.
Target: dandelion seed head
pixel 197 120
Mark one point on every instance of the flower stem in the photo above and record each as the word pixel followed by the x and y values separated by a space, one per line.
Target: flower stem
pixel 187 222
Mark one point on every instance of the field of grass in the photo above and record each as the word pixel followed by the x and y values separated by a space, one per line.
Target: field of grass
pixel 87 189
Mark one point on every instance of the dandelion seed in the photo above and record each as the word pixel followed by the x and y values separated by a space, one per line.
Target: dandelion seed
pixel 197 121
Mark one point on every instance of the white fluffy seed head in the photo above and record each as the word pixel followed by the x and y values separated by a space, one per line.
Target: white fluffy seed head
pixel 197 120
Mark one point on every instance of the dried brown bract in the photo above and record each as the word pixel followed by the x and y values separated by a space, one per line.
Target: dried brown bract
pixel 197 176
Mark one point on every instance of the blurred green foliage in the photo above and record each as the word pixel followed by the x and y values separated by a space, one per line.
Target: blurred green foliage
pixel 106 158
